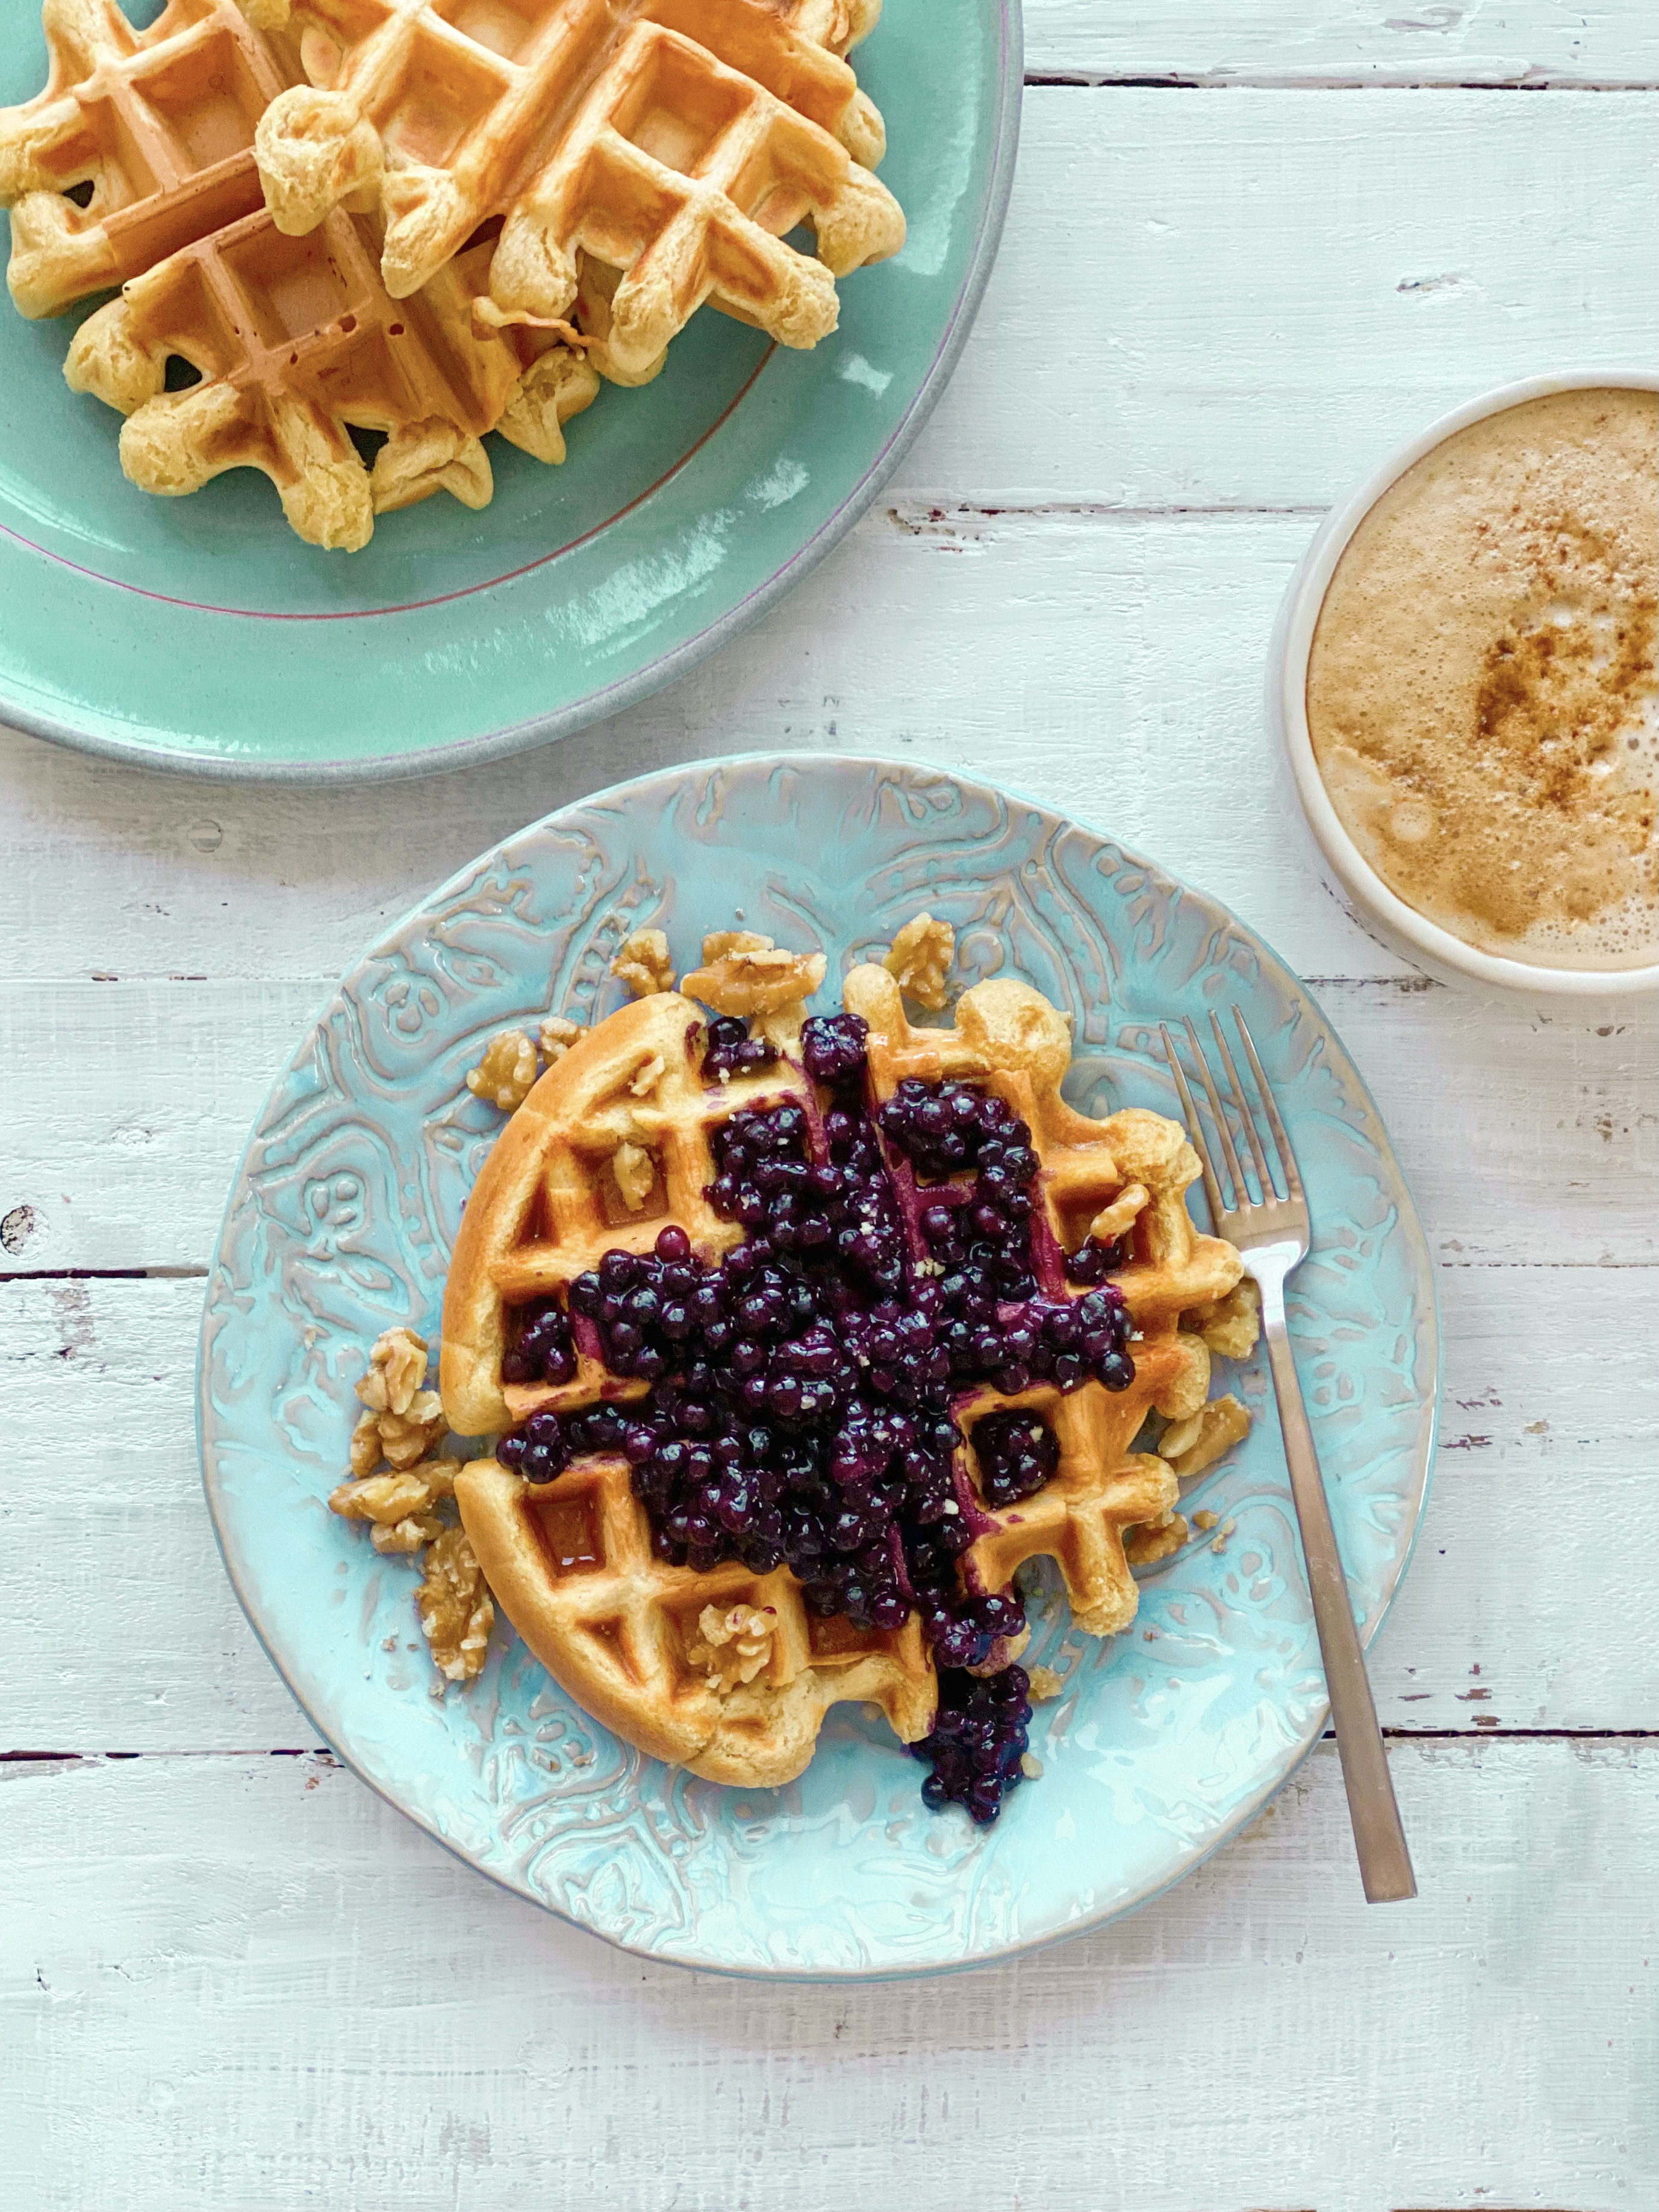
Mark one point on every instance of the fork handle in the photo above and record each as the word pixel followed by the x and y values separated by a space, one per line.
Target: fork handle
pixel 1385 1865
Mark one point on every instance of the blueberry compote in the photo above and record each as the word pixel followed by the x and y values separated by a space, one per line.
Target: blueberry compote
pixel 798 1407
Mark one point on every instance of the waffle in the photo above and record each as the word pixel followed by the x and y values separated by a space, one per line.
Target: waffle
pixel 154 129
pixel 673 140
pixel 296 339
pixel 572 1561
pixel 293 340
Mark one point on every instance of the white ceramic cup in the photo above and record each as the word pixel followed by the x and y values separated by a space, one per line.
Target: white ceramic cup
pixel 1378 908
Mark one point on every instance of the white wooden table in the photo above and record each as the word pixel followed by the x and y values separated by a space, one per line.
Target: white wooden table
pixel 1254 243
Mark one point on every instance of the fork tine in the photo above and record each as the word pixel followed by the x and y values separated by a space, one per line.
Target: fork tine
pixel 1287 1157
pixel 1269 1188
pixel 1212 1188
pixel 1241 1192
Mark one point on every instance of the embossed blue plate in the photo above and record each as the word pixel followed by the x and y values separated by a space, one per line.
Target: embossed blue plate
pixel 201 634
pixel 1164 1741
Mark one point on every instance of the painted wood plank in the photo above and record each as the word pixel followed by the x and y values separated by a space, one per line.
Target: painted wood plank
pixel 248 1982
pixel 1527 1138
pixel 1527 1606
pixel 1248 298
pixel 1346 42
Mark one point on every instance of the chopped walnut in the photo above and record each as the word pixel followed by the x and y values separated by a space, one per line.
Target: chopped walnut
pixel 1112 1221
pixel 635 1171
pixel 648 1076
pixel 1030 1766
pixel 454 1605
pixel 397 1506
pixel 718 942
pixel 558 1034
pixel 1198 1442
pixel 407 1536
pixel 507 1074
pixel 1146 1147
pixel 1045 1684
pixel 396 1369
pixel 642 963
pixel 919 957
pixel 1154 1540
pixel 735 1645
pixel 388 1499
pixel 398 1438
pixel 1205 1520
pixel 749 974
pixel 1229 1326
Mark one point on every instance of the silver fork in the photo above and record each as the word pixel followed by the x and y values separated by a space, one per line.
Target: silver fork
pixel 1272 1233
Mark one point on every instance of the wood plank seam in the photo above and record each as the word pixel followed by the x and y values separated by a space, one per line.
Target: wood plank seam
pixel 1269 80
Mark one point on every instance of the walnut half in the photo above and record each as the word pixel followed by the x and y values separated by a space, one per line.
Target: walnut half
pixel 399 1506
pixel 744 975
pixel 507 1074
pixel 396 1369
pixel 919 959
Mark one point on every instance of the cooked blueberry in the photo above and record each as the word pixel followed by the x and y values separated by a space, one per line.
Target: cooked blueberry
pixel 730 1050
pixel 833 1048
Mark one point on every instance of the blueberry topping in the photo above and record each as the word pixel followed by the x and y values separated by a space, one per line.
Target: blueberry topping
pixel 1093 1262
pixel 1017 1452
pixel 731 1050
pixel 833 1048
pixel 543 1350
pixel 980 1735
pixel 798 1407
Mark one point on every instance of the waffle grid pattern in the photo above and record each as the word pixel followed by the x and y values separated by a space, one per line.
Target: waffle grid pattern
pixel 160 124
pixel 293 340
pixel 673 140
pixel 1009 1040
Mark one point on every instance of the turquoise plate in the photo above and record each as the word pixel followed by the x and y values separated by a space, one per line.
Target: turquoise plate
pixel 201 634
pixel 1164 1741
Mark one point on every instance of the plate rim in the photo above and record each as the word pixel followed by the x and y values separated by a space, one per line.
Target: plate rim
pixel 679 660
pixel 1280 1775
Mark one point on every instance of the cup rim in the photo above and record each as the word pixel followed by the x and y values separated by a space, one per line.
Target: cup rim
pixel 1287 709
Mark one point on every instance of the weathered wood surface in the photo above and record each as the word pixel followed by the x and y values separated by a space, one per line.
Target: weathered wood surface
pixel 1344 42
pixel 249 1985
pixel 237 1980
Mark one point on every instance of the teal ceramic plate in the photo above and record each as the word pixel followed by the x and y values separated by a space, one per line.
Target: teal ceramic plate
pixel 201 634
pixel 1165 1741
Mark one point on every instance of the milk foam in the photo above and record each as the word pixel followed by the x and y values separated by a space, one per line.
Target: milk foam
pixel 1482 694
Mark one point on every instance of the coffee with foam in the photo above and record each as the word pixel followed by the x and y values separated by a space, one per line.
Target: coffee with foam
pixel 1482 695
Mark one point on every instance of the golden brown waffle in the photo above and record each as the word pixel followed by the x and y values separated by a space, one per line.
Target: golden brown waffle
pixel 572 1564
pixel 294 339
pixel 547 1206
pixel 571 1560
pixel 625 1114
pixel 1009 1040
pixel 676 141
pixel 152 130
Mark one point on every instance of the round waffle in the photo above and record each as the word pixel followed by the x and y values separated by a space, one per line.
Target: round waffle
pixel 621 1139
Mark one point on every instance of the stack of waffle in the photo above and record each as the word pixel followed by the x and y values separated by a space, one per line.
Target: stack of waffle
pixel 424 219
